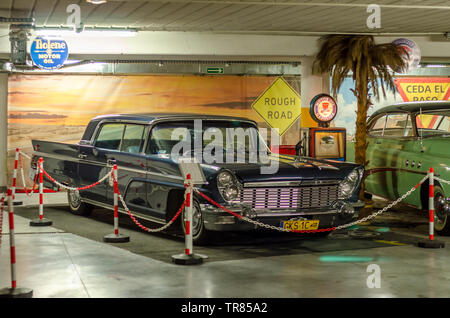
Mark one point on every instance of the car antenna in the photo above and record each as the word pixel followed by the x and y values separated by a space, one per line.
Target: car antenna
pixel 421 131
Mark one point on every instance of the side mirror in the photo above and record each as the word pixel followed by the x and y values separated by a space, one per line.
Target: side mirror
pixel 85 142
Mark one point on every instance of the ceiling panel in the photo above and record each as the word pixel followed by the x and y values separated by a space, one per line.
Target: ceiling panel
pixel 242 16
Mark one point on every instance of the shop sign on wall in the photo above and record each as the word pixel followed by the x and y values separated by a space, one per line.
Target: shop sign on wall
pixel 414 89
pixel 279 105
pixel 49 53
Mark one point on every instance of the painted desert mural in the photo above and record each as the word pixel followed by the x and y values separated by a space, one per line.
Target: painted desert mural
pixel 58 107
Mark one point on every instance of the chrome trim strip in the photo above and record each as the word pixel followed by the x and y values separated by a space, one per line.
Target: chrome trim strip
pixel 150 173
pixel 294 213
pixel 271 184
pixel 121 210
pixel 165 175
pixel 67 158
pixel 162 119
pixel 53 156
pixel 272 213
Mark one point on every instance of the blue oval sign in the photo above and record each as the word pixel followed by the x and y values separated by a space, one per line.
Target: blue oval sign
pixel 49 53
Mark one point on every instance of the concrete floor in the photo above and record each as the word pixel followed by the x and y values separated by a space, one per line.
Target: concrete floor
pixel 54 263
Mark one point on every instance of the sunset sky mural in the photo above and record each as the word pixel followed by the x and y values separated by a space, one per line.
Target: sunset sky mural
pixel 73 100
pixel 58 107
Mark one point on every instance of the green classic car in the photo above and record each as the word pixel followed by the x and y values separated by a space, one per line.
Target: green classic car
pixel 404 141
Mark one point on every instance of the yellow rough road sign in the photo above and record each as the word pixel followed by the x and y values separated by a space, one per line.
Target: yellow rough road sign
pixel 280 105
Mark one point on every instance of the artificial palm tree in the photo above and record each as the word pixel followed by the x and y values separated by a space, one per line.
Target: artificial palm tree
pixel 370 66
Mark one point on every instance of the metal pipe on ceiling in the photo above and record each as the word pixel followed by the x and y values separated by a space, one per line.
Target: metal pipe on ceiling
pixel 5 20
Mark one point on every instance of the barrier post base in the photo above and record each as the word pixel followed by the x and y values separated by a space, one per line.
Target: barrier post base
pixel 113 238
pixel 16 293
pixel 183 259
pixel 431 244
pixel 41 222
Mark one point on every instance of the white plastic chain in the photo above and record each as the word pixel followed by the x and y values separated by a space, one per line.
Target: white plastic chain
pixel 56 182
pixel 23 174
pixel 257 223
pixel 389 206
pixel 24 154
pixel 441 180
pixel 110 174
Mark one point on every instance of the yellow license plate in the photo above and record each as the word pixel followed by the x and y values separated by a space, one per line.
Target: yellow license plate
pixel 300 225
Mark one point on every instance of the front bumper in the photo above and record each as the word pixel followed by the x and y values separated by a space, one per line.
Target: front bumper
pixel 215 219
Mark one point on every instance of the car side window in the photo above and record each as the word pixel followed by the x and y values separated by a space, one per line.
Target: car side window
pixel 133 138
pixel 378 127
pixel 110 136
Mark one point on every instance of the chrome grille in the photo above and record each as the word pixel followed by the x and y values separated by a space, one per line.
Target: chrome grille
pixel 289 197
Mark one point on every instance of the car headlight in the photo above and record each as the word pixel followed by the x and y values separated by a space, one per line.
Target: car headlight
pixel 349 184
pixel 230 193
pixel 224 178
pixel 228 185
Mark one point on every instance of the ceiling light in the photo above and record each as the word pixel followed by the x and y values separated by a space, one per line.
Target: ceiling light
pixel 96 1
pixel 87 32
pixel 436 65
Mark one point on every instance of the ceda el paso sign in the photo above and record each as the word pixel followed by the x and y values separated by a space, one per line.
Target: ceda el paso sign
pixel 49 53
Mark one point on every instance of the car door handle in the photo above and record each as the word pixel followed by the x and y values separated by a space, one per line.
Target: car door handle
pixel 111 161
pixel 82 156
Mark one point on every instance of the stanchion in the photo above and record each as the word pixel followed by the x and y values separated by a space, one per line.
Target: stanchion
pixel 2 207
pixel 188 258
pixel 14 291
pixel 41 221
pixel 116 237
pixel 14 182
pixel 431 243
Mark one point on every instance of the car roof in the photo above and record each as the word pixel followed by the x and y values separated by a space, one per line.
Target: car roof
pixel 149 117
pixel 413 107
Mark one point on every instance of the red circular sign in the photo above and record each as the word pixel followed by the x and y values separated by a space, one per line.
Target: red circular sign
pixel 323 108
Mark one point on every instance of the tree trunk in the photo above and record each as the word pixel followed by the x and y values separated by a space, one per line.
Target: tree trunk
pixel 361 139
pixel 361 128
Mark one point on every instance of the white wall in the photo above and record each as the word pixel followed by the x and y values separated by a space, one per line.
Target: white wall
pixel 147 44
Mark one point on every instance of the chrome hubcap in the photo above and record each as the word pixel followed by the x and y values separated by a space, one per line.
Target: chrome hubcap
pixel 196 220
pixel 74 199
pixel 196 225
pixel 439 209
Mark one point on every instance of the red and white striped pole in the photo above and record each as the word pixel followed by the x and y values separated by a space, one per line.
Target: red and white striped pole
pixel 188 216
pixel 431 203
pixel 2 208
pixel 431 242
pixel 116 237
pixel 41 221
pixel 41 189
pixel 12 243
pixel 13 292
pixel 14 181
pixel 188 258
pixel 116 202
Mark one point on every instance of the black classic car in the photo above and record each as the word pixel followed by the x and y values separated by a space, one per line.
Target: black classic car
pixel 296 192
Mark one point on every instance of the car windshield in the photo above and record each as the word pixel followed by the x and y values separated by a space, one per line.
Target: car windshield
pixel 433 123
pixel 211 135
